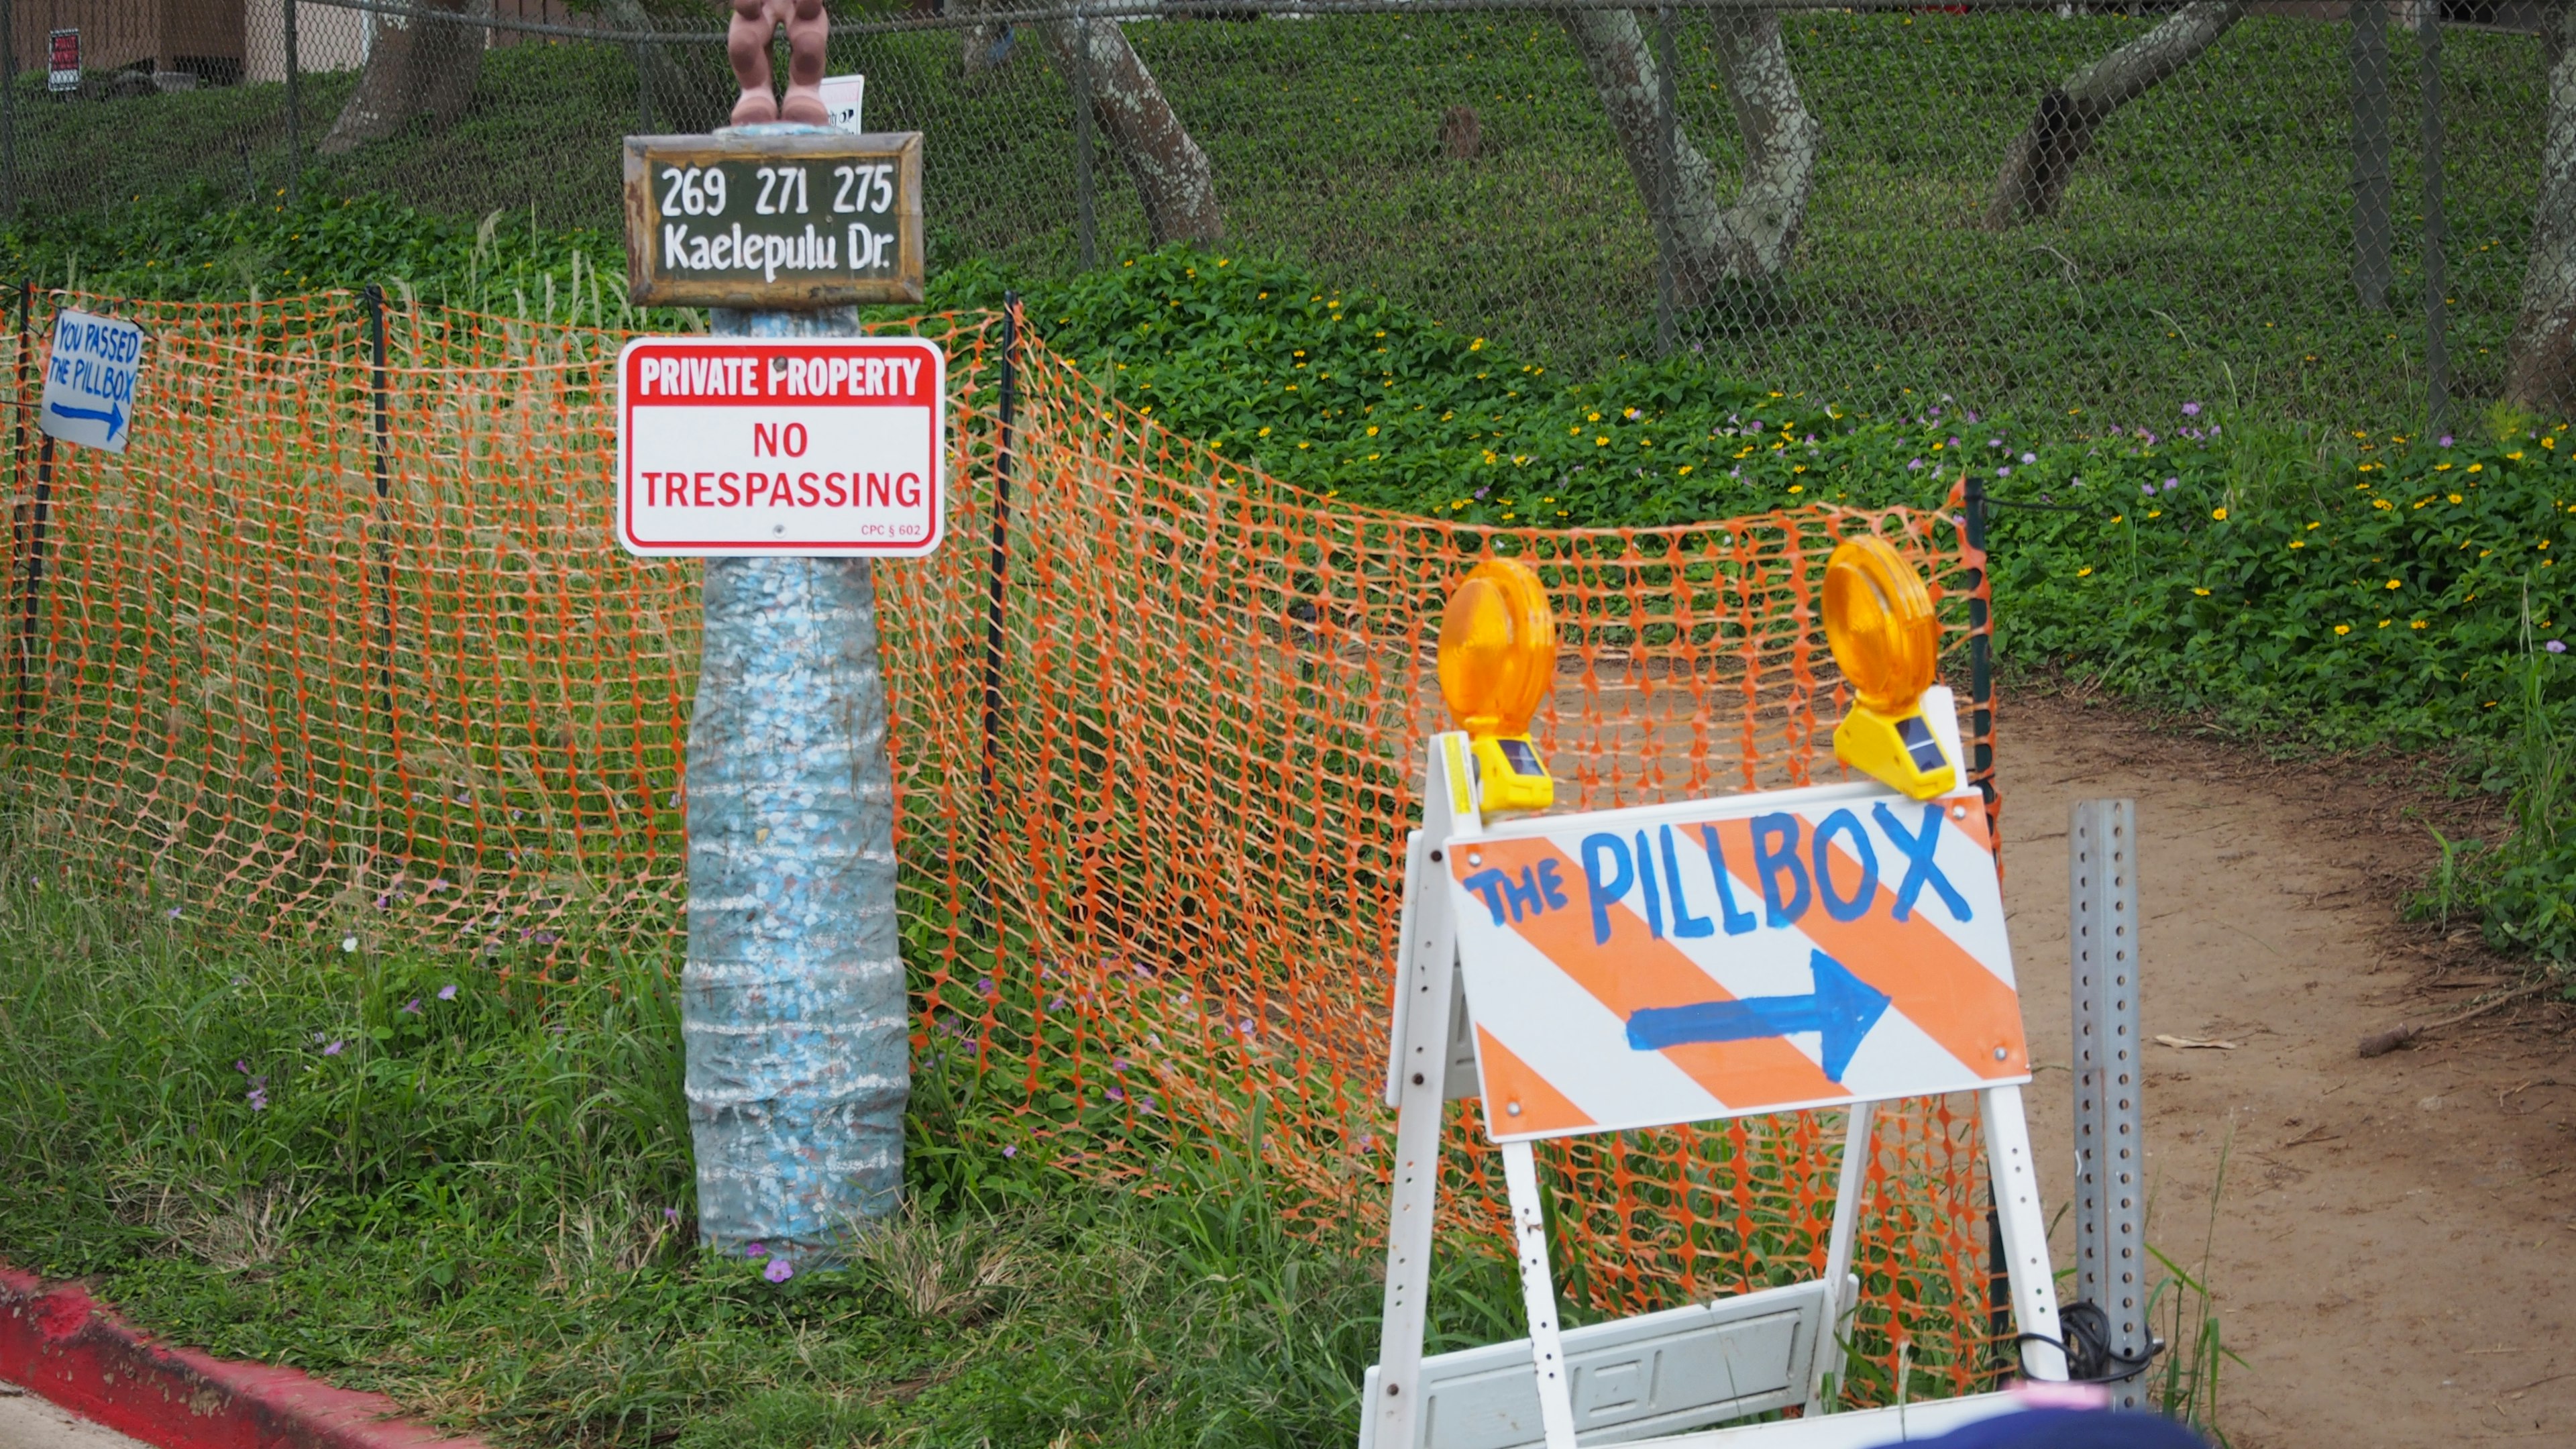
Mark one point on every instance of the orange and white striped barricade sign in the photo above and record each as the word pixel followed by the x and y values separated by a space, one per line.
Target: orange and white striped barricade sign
pixel 1832 946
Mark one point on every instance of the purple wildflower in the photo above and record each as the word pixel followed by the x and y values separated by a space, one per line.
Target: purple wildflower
pixel 2172 483
pixel 2148 489
pixel 258 1099
pixel 2003 472
pixel 2191 410
pixel 779 1270
pixel 670 1215
pixel 333 1049
pixel 447 992
pixel 241 1066
pixel 412 1006
pixel 755 1250
pixel 2446 440
pixel 2556 646
pixel 174 913
pixel 1117 1094
pixel 1012 1151
pixel 2030 457
pixel 1913 464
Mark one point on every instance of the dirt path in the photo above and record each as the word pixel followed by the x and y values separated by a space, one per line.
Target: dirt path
pixel 2395 1250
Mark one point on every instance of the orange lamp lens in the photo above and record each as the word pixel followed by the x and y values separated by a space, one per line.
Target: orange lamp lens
pixel 1880 623
pixel 1497 649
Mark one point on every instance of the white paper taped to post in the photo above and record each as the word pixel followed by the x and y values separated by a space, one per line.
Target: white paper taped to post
pixel 89 381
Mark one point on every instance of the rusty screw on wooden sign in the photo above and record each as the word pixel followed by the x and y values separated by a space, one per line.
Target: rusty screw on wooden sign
pixel 773 221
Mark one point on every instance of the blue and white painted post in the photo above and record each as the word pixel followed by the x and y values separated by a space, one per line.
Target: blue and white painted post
pixel 792 1004
pixel 792 1001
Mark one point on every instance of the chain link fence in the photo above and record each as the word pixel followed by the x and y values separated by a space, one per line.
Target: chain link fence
pixel 2315 211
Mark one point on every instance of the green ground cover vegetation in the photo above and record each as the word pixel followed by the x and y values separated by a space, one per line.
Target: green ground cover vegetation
pixel 473 1192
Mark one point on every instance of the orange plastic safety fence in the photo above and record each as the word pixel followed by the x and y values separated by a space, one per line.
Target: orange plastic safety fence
pixel 341 650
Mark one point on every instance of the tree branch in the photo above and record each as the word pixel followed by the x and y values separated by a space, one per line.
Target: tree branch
pixel 2042 158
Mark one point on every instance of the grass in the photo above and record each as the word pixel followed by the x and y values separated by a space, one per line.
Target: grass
pixel 478 1202
pixel 2202 246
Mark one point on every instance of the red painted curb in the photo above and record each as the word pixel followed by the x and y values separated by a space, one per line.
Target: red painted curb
pixel 60 1343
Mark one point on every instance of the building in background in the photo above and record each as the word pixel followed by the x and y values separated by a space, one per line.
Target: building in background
pixel 201 38
pixel 224 42
pixel 326 38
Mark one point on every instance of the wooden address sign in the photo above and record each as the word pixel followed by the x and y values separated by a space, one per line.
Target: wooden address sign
pixel 773 221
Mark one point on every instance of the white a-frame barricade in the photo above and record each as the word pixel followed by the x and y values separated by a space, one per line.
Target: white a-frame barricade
pixel 1832 946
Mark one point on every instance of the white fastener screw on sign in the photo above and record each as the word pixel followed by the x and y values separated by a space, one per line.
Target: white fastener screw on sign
pixel 787 450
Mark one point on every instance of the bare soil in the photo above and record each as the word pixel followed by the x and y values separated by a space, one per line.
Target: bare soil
pixel 2394 1242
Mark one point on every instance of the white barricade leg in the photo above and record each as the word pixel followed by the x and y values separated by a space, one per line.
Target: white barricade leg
pixel 1538 1295
pixel 2016 1186
pixel 1838 1254
pixel 1426 979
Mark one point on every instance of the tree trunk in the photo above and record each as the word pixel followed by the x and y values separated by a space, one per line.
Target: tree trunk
pixel 415 67
pixel 1711 242
pixel 1172 174
pixel 2043 157
pixel 2540 362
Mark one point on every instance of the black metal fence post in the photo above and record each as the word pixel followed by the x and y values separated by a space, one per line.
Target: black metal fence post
pixel 1001 541
pixel 2368 50
pixel 381 441
pixel 2437 232
pixel 1086 203
pixel 294 110
pixel 8 108
pixel 1981 661
pixel 26 649
pixel 1667 168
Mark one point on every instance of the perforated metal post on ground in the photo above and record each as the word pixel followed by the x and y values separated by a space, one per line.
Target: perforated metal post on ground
pixel 2110 1156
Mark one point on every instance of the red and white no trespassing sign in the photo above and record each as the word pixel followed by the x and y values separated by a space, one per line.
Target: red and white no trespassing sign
pixel 825 446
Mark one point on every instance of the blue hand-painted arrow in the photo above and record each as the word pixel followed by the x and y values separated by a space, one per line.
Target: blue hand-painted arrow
pixel 1843 1007
pixel 114 417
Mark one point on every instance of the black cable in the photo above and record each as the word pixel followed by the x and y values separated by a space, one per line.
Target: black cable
pixel 2090 1359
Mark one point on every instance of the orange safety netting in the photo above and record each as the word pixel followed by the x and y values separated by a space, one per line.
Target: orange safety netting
pixel 340 650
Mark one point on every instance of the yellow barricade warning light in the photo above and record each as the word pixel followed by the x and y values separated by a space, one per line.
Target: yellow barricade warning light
pixel 1497 661
pixel 1879 620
